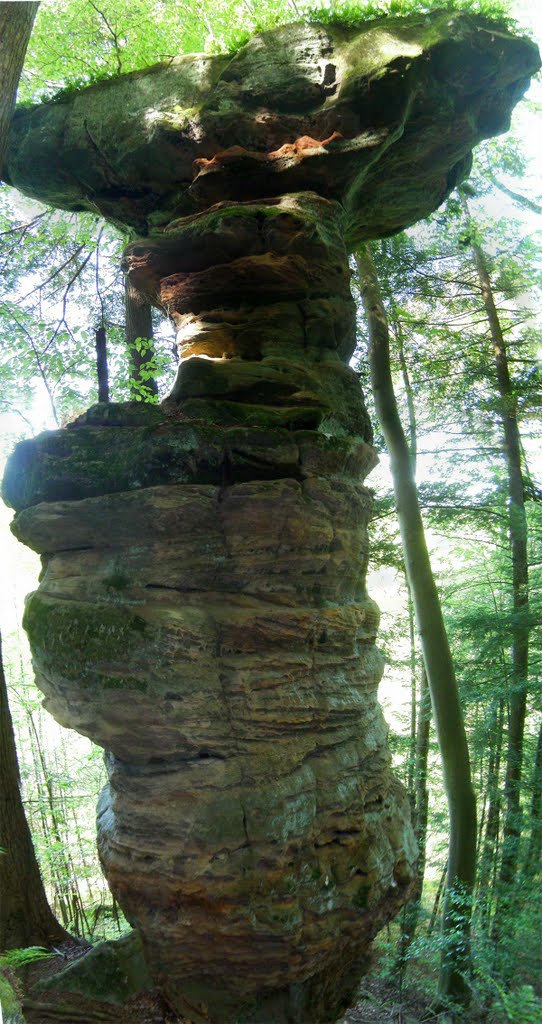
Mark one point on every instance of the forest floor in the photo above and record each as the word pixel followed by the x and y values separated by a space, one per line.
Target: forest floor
pixel 379 1002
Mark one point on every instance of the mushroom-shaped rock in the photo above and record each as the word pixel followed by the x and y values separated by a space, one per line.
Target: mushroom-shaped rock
pixel 380 116
pixel 202 612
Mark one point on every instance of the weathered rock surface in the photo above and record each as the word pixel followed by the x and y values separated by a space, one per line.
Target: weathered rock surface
pixel 9 1002
pixel 203 616
pixel 381 116
pixel 111 972
pixel 202 613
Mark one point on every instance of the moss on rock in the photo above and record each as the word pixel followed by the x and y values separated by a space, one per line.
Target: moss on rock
pixel 160 447
pixel 86 642
pixel 370 114
pixel 11 1012
pixel 111 972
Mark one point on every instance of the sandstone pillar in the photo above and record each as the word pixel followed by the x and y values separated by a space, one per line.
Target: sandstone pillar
pixel 202 613
pixel 215 634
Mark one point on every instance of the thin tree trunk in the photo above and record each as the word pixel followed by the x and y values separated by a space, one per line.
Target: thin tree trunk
pixel 79 917
pixel 57 877
pixel 411 775
pixel 16 21
pixel 422 757
pixel 25 916
pixel 413 448
pixel 436 902
pixel 490 846
pixel 435 649
pixel 139 328
pixel 411 408
pixel 520 590
pixel 65 872
pixel 421 802
pixel 102 369
pixel 534 852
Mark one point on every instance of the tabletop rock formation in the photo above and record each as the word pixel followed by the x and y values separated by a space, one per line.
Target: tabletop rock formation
pixel 202 613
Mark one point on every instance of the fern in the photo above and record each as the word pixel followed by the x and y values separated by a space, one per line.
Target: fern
pixel 16 958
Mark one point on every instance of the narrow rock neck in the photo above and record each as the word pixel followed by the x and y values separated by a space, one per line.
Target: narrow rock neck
pixel 260 297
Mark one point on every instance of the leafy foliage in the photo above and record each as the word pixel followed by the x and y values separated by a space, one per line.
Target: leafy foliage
pixel 17 958
pixel 76 43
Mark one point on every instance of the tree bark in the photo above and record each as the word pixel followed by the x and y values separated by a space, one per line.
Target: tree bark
pixel 16 20
pixel 413 448
pixel 421 804
pixel 489 851
pixel 101 365
pixel 517 524
pixel 534 851
pixel 414 720
pixel 422 756
pixel 25 916
pixel 139 326
pixel 435 649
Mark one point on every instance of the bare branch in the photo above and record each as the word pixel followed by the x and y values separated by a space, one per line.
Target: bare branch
pixel 39 365
pixel 114 35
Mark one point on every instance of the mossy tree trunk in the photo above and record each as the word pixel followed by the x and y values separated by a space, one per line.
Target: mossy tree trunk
pixel 16 21
pixel 139 342
pixel 489 851
pixel 438 661
pixel 25 916
pixel 411 913
pixel 102 368
pixel 520 624
pixel 534 851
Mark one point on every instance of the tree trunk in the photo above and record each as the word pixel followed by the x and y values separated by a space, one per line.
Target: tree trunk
pixel 414 720
pixel 435 649
pixel 517 701
pixel 102 369
pixel 534 851
pixel 413 448
pixel 421 803
pixel 436 902
pixel 411 408
pixel 139 341
pixel 25 916
pixel 491 836
pixel 16 20
pixel 422 756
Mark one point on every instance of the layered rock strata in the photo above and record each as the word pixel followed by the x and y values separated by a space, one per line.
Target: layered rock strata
pixel 203 616
pixel 202 612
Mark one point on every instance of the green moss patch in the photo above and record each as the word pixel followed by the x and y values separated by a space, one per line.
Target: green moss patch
pixel 112 972
pixel 87 641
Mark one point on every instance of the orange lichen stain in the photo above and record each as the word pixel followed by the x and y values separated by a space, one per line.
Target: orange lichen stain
pixel 301 145
pixel 227 154
pixel 300 148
